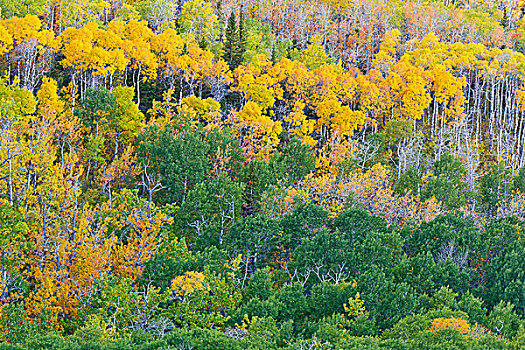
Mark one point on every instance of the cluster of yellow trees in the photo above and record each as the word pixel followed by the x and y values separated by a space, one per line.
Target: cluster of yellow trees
pixel 66 247
pixel 456 92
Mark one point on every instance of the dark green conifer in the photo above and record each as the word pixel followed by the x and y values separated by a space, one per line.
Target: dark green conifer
pixel 241 48
pixel 505 20
pixel 231 42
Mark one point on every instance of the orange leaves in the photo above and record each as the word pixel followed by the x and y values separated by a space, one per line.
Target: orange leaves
pixel 116 239
pixel 113 174
pixel 138 226
pixel 458 324
pixel 142 244
pixel 337 150
pixel 50 300
pixel 279 202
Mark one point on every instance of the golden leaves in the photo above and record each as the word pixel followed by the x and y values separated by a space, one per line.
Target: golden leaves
pixel 372 190
pixel 188 283
pixel 90 48
pixel 458 324
pixel 6 41
pixel 258 132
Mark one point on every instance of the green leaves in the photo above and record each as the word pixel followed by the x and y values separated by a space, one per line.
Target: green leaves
pixel 96 108
pixel 256 238
pixel 447 183
pixel 233 47
pixel 505 276
pixel 186 159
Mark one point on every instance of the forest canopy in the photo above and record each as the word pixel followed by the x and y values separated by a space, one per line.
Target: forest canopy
pixel 285 174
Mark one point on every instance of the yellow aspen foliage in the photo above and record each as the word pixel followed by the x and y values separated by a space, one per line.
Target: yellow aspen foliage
pixel 259 134
pixel 410 96
pixel 299 125
pixel 168 47
pixel 314 56
pixel 188 283
pixel 355 307
pixel 337 150
pixel 127 121
pixel 340 119
pixel 276 203
pixel 95 324
pixel 373 190
pixel 458 324
pixel 198 20
pixel 326 191
pixel 22 29
pixel 76 13
pixel 375 95
pixel 33 49
pixel 327 90
pixel 256 82
pixel 520 98
pixel 514 206
pixel 207 110
pixel 48 99
pixel 139 48
pixel 6 41
pixel 386 57
pixel 93 49
pixel 200 68
pixel 163 112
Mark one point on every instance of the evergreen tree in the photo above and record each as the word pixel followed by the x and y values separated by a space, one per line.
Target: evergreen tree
pixel 505 20
pixel 231 43
pixel 235 42
pixel 241 48
pixel 220 14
